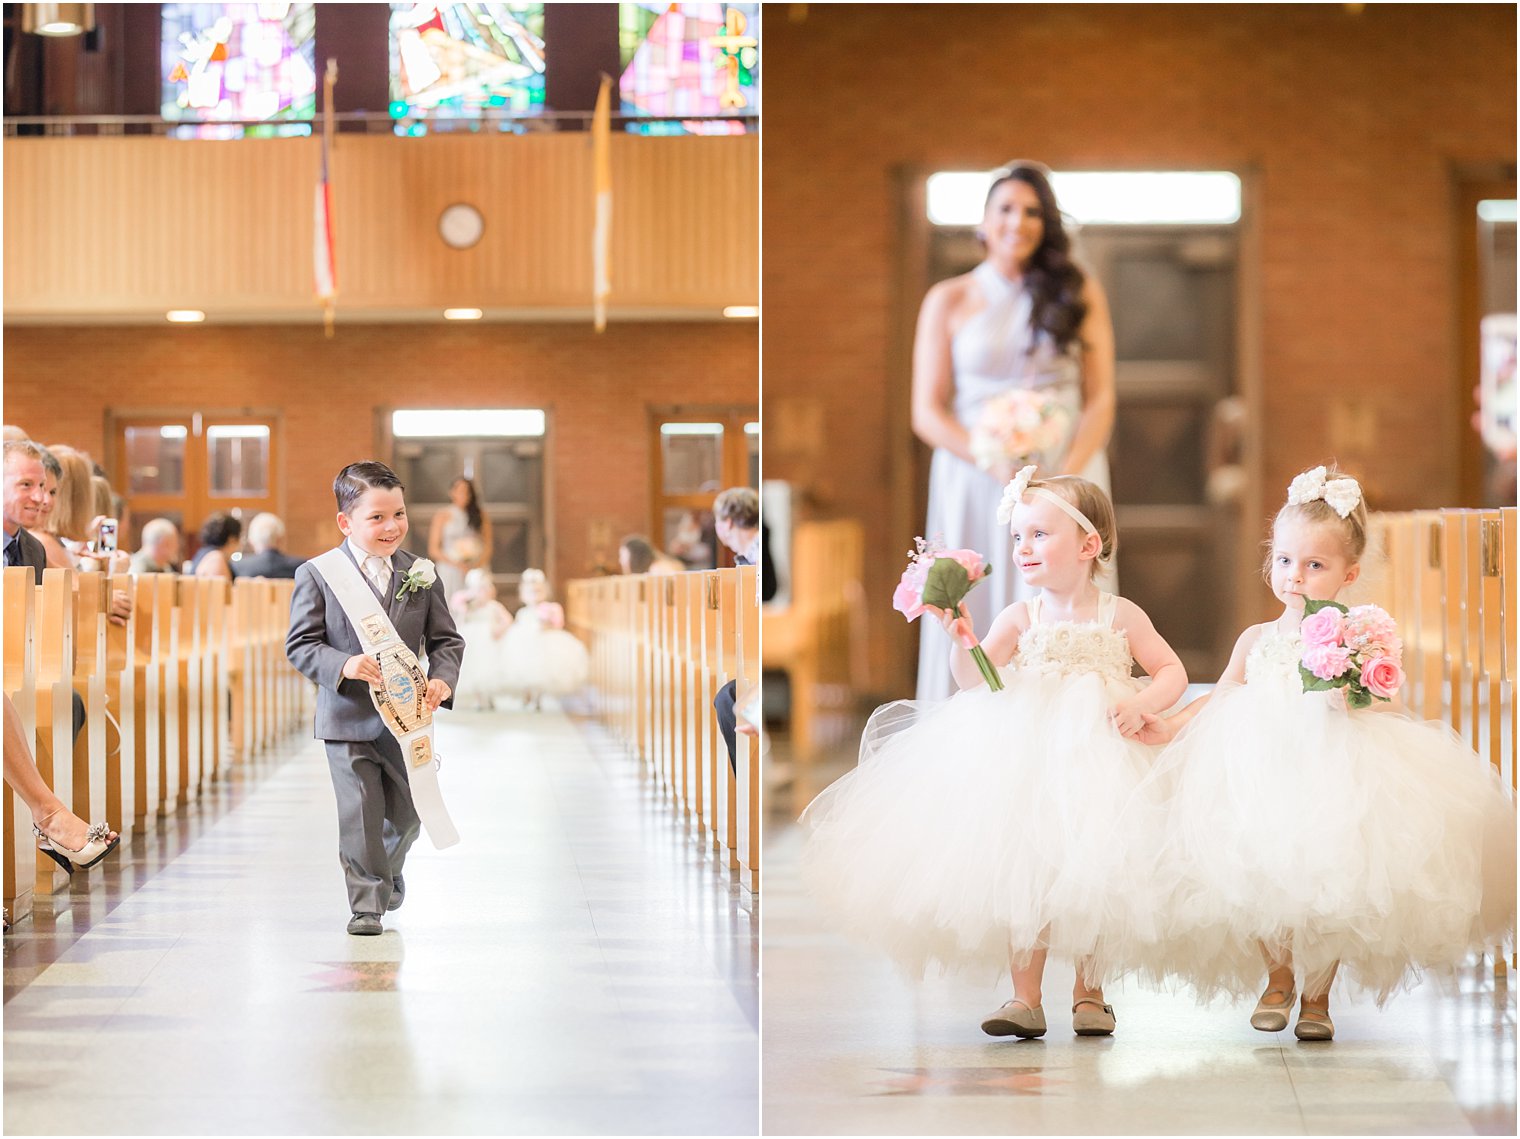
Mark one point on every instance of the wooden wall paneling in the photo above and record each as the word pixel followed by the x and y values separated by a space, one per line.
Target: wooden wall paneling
pixel 685 223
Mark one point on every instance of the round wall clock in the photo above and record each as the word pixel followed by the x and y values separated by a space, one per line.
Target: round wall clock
pixel 461 225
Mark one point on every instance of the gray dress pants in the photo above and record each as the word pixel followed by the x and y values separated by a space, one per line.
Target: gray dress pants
pixel 376 821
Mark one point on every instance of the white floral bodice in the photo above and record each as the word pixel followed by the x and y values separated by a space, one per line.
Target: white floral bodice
pixel 1274 658
pixel 1072 648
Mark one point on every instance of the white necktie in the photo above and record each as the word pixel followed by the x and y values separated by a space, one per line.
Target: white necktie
pixel 378 573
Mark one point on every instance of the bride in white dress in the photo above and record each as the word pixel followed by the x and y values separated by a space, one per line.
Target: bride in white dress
pixel 1025 317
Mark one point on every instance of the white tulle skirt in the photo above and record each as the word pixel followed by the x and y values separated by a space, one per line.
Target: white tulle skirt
pixel 480 671
pixel 1367 839
pixel 990 823
pixel 539 661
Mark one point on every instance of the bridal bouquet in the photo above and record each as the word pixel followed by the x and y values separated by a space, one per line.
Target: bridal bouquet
pixel 1355 649
pixel 941 578
pixel 467 548
pixel 1017 427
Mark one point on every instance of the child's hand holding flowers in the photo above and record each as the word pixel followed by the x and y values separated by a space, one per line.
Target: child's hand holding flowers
pixel 937 581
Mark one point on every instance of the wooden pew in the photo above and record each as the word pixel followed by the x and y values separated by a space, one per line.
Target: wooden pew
pixel 55 703
pixel 20 673
pixel 813 640
pixel 661 648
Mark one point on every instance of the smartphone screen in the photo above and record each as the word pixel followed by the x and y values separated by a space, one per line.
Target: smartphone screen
pixel 106 542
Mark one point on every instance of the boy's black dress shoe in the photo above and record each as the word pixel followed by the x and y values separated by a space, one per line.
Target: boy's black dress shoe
pixel 398 893
pixel 365 925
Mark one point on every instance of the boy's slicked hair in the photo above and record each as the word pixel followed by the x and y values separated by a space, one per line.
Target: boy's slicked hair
pixel 356 478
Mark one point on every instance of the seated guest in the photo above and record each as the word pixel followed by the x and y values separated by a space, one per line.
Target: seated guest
pixel 736 517
pixel 25 499
pixel 159 552
pixel 220 536
pixel 638 555
pixel 71 505
pixel 25 496
pixel 266 534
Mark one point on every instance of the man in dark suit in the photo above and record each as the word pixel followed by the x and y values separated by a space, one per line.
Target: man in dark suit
pixel 25 498
pixel 736 518
pixel 266 533
pixel 377 822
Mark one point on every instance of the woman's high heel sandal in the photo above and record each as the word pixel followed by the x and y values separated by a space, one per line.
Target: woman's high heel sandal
pixel 98 843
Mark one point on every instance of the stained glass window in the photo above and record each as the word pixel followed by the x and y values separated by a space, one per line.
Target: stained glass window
pixel 463 60
pixel 682 60
pixel 227 65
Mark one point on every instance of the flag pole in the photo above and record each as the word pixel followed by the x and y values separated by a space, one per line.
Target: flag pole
pixel 326 256
pixel 601 238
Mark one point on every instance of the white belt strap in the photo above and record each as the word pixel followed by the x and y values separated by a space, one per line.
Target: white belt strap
pixel 401 700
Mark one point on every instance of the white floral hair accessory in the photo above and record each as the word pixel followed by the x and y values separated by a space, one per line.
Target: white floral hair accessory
pixel 1018 487
pixel 1341 494
pixel 1013 493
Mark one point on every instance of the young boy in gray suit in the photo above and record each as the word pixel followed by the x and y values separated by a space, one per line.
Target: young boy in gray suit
pixel 377 822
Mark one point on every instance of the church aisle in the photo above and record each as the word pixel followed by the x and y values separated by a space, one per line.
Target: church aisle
pixel 575 965
pixel 852 1049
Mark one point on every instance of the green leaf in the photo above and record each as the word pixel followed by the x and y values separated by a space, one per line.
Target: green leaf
pixel 1358 698
pixel 1311 606
pixel 947 583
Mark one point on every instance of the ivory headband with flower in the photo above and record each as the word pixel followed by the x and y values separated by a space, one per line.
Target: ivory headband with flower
pixel 1019 486
pixel 1340 494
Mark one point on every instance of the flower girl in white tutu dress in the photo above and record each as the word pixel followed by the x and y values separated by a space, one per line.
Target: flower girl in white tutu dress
pixel 994 828
pixel 1305 835
pixel 483 622
pixel 542 659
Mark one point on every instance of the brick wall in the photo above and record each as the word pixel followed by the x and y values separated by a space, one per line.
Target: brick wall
pixel 1351 123
pixel 60 383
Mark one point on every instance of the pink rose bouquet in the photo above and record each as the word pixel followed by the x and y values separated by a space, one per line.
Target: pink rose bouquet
pixel 941 578
pixel 1355 649
pixel 1019 426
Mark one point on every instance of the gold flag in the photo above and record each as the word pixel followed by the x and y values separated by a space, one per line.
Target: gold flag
pixel 601 239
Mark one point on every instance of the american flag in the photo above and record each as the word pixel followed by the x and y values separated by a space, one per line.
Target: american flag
pixel 324 259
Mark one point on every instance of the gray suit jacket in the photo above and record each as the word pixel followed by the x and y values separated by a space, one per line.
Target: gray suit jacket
pixel 321 640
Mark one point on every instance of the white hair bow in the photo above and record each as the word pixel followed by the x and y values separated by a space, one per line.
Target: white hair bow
pixel 1013 494
pixel 1341 494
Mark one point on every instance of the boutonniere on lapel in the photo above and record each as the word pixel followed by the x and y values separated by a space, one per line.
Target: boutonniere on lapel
pixel 421 575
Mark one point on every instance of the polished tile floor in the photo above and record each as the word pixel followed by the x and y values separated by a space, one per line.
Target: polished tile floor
pixel 850 1048
pixel 578 965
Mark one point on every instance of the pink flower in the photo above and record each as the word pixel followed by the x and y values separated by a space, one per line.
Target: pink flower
pixel 908 598
pixel 969 560
pixel 1326 661
pixel 1322 629
pixel 1382 676
pixel 1368 625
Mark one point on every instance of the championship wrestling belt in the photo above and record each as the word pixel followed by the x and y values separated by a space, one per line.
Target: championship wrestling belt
pixel 401 698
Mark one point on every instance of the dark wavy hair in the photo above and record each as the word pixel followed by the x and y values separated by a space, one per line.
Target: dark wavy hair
pixel 472 508
pixel 219 529
pixel 1053 278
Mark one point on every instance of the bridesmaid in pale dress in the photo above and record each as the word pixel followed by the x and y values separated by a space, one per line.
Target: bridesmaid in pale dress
pixel 460 537
pixel 1027 316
